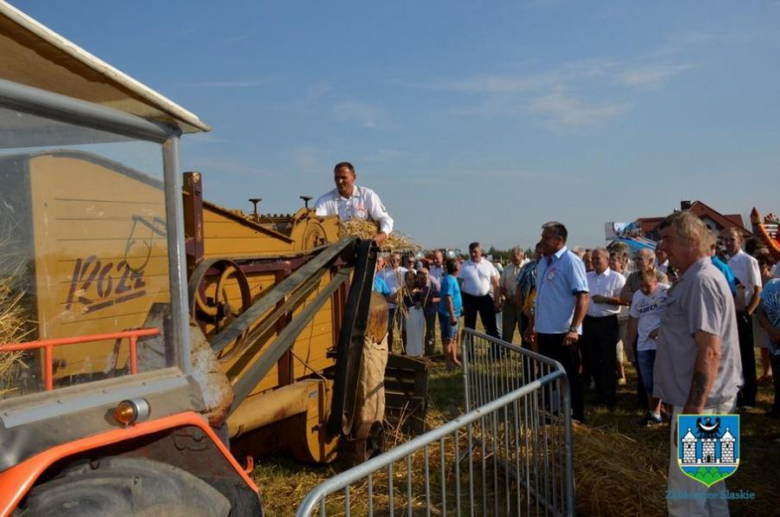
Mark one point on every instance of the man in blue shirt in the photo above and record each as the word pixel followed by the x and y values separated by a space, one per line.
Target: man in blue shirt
pixel 560 307
pixel 380 285
pixel 725 269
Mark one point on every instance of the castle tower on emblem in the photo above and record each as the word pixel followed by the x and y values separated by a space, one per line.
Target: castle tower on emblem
pixel 708 451
pixel 727 447
pixel 689 447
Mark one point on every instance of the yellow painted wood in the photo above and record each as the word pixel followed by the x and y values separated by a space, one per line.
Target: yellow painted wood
pixel 100 262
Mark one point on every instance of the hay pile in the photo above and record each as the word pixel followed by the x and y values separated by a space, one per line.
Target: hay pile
pixel 14 319
pixel 12 330
pixel 617 475
pixel 367 229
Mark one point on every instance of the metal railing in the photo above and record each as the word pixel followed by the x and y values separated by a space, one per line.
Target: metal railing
pixel 509 454
pixel 544 472
pixel 48 348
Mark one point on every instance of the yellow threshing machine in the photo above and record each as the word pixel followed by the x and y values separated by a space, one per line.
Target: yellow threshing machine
pixel 270 293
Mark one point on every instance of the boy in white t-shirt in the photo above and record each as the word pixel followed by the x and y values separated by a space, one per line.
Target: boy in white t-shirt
pixel 643 323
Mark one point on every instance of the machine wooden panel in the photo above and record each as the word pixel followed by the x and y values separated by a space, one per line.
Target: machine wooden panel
pixel 101 253
pixel 227 235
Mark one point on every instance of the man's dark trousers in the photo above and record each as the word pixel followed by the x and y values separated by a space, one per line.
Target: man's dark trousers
pixel 511 319
pixel 551 345
pixel 487 313
pixel 747 395
pixel 524 323
pixel 601 336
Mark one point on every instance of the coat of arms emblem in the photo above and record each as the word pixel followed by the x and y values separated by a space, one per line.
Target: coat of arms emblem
pixel 708 446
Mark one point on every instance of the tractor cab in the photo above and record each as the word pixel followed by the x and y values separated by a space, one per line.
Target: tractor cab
pixel 90 225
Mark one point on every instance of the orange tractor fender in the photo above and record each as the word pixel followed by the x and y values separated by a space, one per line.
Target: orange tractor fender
pixel 18 480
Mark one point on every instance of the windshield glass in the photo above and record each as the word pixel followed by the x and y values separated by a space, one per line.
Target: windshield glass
pixel 83 251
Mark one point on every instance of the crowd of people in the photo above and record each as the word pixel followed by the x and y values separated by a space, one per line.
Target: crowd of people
pixel 688 315
pixel 618 321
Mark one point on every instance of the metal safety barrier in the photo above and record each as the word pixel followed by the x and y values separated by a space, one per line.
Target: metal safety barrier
pixel 509 454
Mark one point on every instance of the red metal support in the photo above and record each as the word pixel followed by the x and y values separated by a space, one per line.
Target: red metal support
pixel 49 344
pixel 133 355
pixel 49 361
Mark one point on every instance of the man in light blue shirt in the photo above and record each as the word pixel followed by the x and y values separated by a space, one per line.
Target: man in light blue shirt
pixel 560 307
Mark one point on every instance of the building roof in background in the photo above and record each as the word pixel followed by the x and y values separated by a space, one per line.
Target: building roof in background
pixel 701 209
pixel 726 221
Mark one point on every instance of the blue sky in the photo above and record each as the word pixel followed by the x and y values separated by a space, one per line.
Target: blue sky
pixel 473 120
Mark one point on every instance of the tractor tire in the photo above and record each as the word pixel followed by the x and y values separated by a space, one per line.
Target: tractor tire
pixel 127 487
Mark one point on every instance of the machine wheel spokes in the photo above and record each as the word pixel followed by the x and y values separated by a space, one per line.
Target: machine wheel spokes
pixel 211 287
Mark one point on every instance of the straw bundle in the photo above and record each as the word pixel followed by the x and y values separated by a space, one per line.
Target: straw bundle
pixel 13 317
pixel 617 475
pixel 12 330
pixel 367 229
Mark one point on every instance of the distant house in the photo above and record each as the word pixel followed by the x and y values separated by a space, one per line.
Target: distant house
pixel 711 217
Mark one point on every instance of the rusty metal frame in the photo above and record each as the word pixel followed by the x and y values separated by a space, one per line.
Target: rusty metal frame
pixel 285 307
pixel 270 299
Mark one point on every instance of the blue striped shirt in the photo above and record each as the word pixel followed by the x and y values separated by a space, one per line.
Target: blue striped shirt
pixel 558 278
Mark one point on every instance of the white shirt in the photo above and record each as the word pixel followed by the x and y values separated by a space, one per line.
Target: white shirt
pixel 609 283
pixel 476 277
pixel 775 271
pixel 393 278
pixel 746 270
pixel 436 272
pixel 663 268
pixel 648 309
pixel 363 204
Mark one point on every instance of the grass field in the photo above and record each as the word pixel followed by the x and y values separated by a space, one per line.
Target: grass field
pixel 620 467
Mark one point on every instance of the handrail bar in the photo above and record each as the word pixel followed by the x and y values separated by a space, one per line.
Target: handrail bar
pixel 49 344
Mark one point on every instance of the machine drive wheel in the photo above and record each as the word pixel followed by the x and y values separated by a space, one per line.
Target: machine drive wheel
pixel 127 487
pixel 209 295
